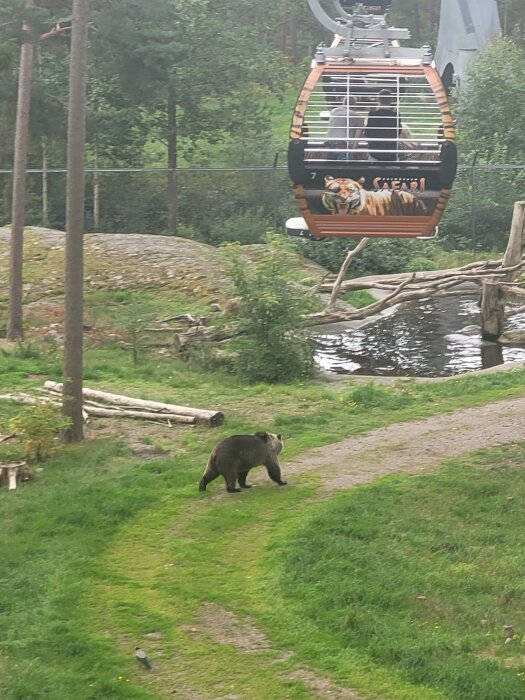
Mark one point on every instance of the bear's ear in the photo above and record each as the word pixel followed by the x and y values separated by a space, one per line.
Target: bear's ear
pixel 279 436
pixel 361 181
pixel 263 436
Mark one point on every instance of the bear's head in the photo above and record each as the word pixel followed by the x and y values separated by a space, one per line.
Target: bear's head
pixel 275 442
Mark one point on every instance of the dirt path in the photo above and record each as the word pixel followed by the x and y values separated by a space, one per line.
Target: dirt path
pixel 412 447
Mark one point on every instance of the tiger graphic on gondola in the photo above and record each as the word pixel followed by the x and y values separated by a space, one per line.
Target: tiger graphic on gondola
pixel 344 196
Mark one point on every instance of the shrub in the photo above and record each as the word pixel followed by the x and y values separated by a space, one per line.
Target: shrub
pixel 36 427
pixel 419 264
pixel 274 346
pixel 243 227
pixel 379 257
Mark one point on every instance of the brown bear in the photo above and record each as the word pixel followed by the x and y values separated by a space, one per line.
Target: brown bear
pixel 235 456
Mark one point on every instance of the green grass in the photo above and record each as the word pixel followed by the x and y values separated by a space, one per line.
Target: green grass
pixel 101 548
pixel 359 567
pixel 359 298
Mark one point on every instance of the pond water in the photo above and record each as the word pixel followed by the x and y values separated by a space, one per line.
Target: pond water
pixel 428 339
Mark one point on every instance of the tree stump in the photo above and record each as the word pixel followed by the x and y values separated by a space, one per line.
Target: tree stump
pixel 13 472
pixel 492 310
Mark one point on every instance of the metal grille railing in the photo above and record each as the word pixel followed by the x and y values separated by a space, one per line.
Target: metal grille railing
pixel 337 125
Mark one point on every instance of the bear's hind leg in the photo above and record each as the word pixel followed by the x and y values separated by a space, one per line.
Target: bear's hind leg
pixel 242 481
pixel 208 476
pixel 231 480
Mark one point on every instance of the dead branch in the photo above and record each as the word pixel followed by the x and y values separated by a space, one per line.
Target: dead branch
pixel 342 272
pixel 192 320
pixel 317 286
pixel 515 312
pixel 5 438
pixel 357 314
pixel 467 273
pixel 59 29
pixel 513 290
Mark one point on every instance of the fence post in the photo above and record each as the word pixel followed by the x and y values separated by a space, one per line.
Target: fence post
pixel 516 243
pixel 492 310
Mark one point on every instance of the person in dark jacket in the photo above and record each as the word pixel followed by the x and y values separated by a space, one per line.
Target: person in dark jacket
pixel 383 128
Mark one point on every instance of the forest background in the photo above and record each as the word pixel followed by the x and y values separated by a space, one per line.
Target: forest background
pixel 207 89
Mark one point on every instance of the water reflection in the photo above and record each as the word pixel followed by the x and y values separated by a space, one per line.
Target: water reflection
pixel 430 339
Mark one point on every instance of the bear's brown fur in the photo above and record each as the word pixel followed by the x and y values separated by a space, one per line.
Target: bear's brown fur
pixel 235 456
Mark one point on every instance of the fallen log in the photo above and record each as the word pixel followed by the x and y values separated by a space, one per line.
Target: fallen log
pixel 141 415
pixel 214 418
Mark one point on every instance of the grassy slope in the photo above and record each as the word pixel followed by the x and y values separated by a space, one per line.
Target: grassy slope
pixel 103 549
pixel 362 564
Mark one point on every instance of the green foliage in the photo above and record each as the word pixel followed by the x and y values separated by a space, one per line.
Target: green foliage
pixel 26 350
pixel 419 574
pixel 135 317
pixel 490 109
pixel 359 298
pixel 379 257
pixel 245 228
pixel 36 427
pixel 274 346
pixel 491 104
pixel 481 217
pixel 419 264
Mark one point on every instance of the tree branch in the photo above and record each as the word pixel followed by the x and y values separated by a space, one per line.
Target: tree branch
pixel 59 29
pixel 342 272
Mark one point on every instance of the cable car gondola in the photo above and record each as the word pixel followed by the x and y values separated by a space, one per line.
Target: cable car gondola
pixel 372 143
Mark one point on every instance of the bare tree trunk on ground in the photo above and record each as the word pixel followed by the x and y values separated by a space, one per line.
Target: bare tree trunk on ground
pixel 74 300
pixel 15 324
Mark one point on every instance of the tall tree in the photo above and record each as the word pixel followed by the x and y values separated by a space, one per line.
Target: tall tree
pixel 15 325
pixel 491 109
pixel 74 298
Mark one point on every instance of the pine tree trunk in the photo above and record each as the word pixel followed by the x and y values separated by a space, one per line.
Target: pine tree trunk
pixel 15 324
pixel 45 185
pixel 73 330
pixel 96 192
pixel 172 162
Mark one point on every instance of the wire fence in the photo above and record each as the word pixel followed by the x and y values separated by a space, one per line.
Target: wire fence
pixel 227 204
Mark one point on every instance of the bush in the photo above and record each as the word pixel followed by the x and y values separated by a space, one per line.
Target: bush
pixel 36 427
pixel 419 264
pixel 380 257
pixel 274 346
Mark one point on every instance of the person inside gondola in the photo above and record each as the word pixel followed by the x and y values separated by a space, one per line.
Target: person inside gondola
pixel 383 128
pixel 345 126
